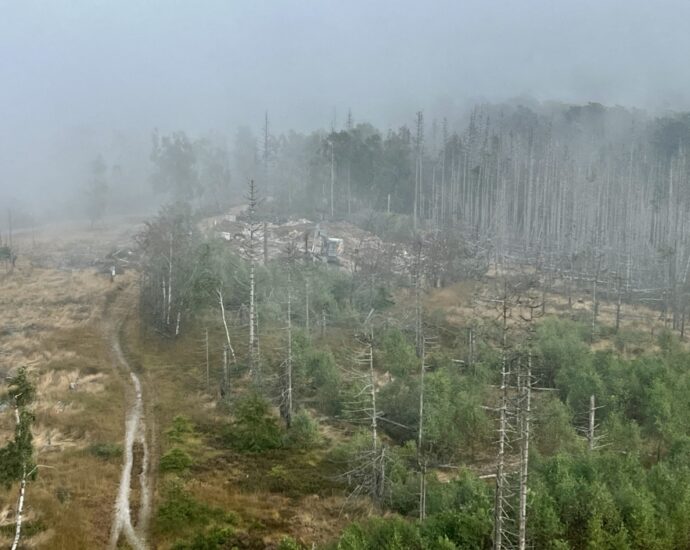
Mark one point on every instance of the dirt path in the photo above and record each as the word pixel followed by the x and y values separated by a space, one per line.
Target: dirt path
pixel 135 437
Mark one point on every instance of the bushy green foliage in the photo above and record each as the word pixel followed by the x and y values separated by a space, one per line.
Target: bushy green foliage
pixel 179 511
pixel 394 353
pixel 217 538
pixel 288 543
pixel 386 534
pixel 175 460
pixel 324 375
pixel 29 529
pixel 254 428
pixel 181 426
pixel 16 457
pixel 106 451
pixel 454 419
pixel 450 529
pixel 279 478
pixel 303 432
pixel 554 427
pixel 607 499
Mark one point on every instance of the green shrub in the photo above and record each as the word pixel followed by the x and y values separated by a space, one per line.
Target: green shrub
pixel 385 534
pixel 254 429
pixel 106 451
pixel 175 460
pixel 216 539
pixel 29 529
pixel 181 426
pixel 397 355
pixel 304 432
pixel 278 478
pixel 180 510
pixel 324 374
pixel 288 543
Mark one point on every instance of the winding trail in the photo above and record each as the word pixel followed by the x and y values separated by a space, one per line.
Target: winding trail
pixel 135 433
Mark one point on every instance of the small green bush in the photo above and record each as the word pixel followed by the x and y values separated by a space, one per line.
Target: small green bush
pixel 304 432
pixel 181 426
pixel 179 510
pixel 279 478
pixel 106 451
pixel 288 543
pixel 255 429
pixel 175 460
pixel 215 539
pixel 324 374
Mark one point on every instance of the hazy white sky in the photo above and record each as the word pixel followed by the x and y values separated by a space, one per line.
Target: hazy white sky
pixel 72 72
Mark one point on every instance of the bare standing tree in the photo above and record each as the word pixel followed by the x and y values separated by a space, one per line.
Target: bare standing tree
pixel 367 468
pixel 501 504
pixel 286 406
pixel 524 388
pixel 419 171
pixel 253 202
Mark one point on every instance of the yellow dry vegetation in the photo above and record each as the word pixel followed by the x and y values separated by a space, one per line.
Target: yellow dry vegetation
pixel 51 321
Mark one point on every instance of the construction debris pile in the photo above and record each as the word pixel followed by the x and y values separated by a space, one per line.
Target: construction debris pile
pixel 337 243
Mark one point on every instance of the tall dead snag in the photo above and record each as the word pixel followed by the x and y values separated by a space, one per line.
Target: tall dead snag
pixel 286 406
pixel 367 466
pixel 598 257
pixel 306 306
pixel 332 179
pixel 225 386
pixel 589 431
pixel 619 290
pixel 266 154
pixel 421 460
pixel 419 172
pixel 534 310
pixel 253 202
pixel 417 274
pixel 592 423
pixel 208 367
pixel 228 341
pixel 501 496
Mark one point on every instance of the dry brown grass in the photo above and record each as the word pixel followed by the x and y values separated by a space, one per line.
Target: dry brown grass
pixel 51 320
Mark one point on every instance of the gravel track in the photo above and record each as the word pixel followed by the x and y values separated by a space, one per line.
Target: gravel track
pixel 135 433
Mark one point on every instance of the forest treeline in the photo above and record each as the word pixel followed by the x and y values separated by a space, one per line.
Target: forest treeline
pixel 582 187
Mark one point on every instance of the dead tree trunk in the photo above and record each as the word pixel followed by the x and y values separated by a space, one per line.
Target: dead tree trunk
pixel 225 383
pixel 288 361
pixel 221 303
pixel 419 158
pixel 306 307
pixel 525 398
pixel 421 462
pixel 208 372
pixel 419 344
pixel 265 241
pixel 618 303
pixel 592 423
pixel 253 323
pixel 524 414
pixel 332 180
pixel 500 503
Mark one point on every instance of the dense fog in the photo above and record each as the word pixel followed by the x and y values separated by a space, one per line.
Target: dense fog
pixel 82 79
